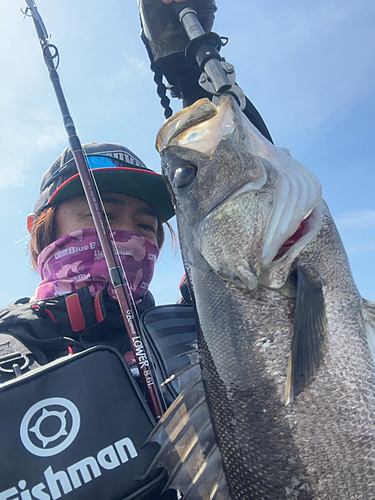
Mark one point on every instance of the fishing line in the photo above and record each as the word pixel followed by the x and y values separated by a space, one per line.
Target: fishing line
pixel 103 229
pixel 144 339
pixel 105 215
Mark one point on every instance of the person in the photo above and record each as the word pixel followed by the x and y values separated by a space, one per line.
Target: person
pixel 64 246
pixel 74 306
pixel 65 249
pixel 74 309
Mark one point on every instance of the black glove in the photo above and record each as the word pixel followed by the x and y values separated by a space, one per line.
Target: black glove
pixel 167 41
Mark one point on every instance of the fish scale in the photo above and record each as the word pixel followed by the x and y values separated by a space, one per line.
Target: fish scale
pixel 264 458
pixel 283 336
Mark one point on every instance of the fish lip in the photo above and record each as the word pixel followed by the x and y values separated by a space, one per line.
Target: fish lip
pixel 200 112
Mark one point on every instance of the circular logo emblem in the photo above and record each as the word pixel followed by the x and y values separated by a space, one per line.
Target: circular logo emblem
pixel 50 426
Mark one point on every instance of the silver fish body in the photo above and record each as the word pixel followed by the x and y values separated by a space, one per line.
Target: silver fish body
pixel 282 331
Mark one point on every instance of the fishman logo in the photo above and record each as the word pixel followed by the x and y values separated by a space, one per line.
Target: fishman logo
pixel 50 426
pixel 59 483
pixel 47 429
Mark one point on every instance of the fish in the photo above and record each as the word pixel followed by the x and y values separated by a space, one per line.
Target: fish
pixel 280 402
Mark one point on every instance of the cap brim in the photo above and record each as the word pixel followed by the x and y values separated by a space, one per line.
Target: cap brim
pixel 144 184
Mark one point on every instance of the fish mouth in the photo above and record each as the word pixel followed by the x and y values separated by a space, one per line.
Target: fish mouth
pixel 275 273
pixel 303 231
pixel 188 127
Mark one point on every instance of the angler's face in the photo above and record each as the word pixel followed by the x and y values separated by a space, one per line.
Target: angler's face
pixel 124 212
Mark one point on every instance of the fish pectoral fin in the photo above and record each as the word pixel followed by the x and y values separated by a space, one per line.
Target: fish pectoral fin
pixel 308 336
pixel 188 447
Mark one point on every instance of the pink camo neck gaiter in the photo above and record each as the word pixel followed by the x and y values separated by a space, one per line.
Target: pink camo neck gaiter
pixel 76 260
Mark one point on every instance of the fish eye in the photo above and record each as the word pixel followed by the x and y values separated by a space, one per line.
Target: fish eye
pixel 184 175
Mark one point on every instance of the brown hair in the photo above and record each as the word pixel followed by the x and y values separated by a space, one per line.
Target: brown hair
pixel 44 231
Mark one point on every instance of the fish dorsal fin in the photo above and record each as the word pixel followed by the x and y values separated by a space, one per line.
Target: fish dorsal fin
pixel 368 309
pixel 308 337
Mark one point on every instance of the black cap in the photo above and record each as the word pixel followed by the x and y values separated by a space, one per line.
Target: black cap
pixel 116 170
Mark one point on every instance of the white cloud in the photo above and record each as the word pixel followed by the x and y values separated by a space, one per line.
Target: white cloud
pixel 13 173
pixel 360 249
pixel 357 231
pixel 28 139
pixel 360 219
pixel 24 140
pixel 131 66
pixel 48 140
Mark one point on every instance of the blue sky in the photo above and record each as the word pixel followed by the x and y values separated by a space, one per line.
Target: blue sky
pixel 307 66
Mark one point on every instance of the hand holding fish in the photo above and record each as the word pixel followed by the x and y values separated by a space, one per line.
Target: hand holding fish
pixel 163 30
pixel 166 40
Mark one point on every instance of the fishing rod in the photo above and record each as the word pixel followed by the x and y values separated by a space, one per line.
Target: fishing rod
pixel 51 58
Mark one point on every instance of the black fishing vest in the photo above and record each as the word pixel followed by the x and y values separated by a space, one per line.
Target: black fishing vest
pixel 76 424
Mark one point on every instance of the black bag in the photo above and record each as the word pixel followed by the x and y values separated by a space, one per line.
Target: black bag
pixel 76 428
pixel 171 333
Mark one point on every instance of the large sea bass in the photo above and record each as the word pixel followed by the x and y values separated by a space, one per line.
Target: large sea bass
pixel 284 336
